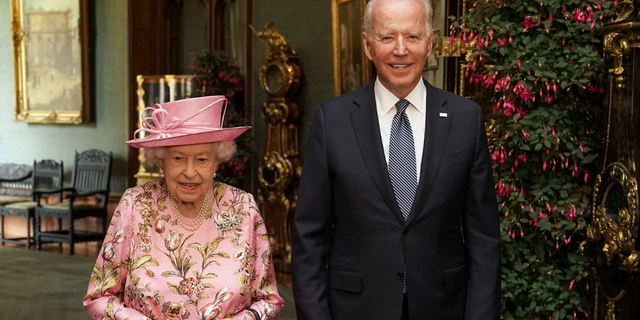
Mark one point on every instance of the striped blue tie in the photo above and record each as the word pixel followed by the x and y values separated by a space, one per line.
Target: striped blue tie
pixel 402 166
pixel 402 159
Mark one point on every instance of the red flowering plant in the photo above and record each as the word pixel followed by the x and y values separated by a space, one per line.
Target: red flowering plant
pixel 218 75
pixel 538 72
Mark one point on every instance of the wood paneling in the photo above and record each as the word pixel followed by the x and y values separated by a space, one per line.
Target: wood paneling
pixel 151 32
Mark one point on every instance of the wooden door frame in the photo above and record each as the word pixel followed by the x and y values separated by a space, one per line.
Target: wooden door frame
pixel 158 22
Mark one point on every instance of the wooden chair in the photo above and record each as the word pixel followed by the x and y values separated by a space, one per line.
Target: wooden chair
pixel 47 175
pixel 15 183
pixel 91 175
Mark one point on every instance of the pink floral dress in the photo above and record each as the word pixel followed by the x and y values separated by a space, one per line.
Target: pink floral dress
pixel 150 267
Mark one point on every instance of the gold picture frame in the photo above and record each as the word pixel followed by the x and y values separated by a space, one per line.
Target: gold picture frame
pixel 51 56
pixel 351 67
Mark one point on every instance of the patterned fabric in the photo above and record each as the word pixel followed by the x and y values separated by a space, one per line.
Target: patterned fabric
pixel 12 199
pixel 152 268
pixel 22 205
pixel 402 159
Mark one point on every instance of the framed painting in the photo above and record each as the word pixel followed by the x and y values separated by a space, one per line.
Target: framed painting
pixel 351 67
pixel 51 55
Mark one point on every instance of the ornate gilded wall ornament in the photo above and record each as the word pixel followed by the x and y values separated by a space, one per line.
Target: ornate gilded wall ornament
pixel 615 204
pixel 611 305
pixel 275 112
pixel 278 172
pixel 613 231
pixel 626 11
pixel 275 172
pixel 617 45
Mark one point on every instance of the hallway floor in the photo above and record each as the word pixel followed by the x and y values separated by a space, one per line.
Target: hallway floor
pixel 16 227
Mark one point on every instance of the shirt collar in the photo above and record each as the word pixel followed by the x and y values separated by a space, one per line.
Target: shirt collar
pixel 387 100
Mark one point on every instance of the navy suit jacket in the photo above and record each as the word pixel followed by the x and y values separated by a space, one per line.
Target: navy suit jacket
pixel 350 241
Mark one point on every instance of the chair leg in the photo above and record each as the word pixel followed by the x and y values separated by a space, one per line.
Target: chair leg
pixel 37 232
pixel 71 247
pixel 28 231
pixel 60 229
pixel 2 229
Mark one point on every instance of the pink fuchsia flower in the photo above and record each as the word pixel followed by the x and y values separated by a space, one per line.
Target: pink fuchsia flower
pixel 550 98
pixel 580 16
pixel 522 157
pixel 522 91
pixel 502 83
pixel 489 80
pixel 501 42
pixel 530 22
pixel 508 108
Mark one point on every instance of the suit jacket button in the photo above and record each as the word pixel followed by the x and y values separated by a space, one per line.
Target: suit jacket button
pixel 406 232
pixel 400 275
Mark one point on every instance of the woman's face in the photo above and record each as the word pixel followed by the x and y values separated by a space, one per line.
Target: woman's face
pixel 189 171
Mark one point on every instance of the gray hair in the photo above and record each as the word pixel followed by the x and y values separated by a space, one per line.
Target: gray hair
pixel 224 150
pixel 368 10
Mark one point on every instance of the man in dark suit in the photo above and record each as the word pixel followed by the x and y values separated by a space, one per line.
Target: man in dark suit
pixel 397 215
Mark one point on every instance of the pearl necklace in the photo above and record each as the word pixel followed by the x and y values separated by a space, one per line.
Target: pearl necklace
pixel 190 224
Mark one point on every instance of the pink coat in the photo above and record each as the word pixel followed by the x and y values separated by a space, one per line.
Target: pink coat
pixel 150 267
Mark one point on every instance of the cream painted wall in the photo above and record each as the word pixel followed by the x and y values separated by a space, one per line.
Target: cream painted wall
pixel 440 27
pixel 22 142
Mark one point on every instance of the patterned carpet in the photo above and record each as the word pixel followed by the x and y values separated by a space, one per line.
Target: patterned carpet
pixel 48 286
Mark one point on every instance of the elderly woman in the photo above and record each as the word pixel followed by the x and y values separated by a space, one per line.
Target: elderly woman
pixel 185 247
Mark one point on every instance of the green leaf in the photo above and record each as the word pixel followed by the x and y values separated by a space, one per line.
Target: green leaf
pixel 173 288
pixel 144 261
pixel 168 274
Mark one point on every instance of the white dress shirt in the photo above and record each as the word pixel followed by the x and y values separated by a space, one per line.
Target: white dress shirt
pixel 385 104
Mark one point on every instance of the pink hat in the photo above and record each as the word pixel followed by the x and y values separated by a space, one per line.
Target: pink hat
pixel 183 122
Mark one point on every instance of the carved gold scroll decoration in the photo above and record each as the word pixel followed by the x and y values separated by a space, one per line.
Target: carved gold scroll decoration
pixel 615 235
pixel 617 45
pixel 279 169
pixel 626 11
pixel 611 305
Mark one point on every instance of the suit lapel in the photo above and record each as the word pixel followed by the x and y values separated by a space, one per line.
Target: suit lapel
pixel 435 141
pixel 365 122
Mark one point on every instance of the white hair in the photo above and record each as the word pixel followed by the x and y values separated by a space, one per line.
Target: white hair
pixel 224 150
pixel 368 11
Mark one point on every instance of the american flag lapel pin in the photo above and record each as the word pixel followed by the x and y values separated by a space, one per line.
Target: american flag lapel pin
pixel 443 115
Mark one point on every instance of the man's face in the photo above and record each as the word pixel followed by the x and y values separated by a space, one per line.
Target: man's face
pixel 398 44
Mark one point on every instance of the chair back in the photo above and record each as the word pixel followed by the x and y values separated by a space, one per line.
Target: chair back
pixel 15 179
pixel 92 172
pixel 48 174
